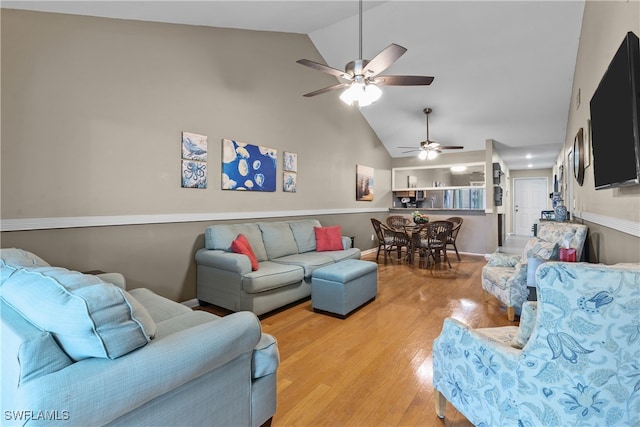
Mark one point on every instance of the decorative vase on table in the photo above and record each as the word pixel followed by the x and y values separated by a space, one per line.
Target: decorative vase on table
pixel 561 211
pixel 420 218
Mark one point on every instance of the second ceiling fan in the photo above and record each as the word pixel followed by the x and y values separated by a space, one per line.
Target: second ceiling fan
pixel 363 76
pixel 429 149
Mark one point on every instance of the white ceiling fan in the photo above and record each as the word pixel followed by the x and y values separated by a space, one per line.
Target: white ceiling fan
pixel 429 149
pixel 363 75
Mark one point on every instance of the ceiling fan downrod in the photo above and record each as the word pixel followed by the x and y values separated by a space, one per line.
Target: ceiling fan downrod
pixel 426 112
pixel 360 29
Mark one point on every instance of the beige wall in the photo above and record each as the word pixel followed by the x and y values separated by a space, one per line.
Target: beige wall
pixel 92 115
pixel 604 26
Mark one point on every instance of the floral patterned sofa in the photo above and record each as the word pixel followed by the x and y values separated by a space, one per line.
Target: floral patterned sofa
pixel 507 277
pixel 574 360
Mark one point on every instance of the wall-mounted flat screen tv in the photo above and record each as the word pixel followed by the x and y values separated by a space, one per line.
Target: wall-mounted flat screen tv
pixel 615 119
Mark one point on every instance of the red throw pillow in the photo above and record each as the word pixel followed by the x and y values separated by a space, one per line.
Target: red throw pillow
pixel 328 238
pixel 241 246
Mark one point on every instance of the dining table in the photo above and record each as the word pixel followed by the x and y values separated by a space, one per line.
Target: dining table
pixel 414 233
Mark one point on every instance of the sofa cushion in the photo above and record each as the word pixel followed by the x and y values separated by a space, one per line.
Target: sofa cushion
pixel 337 256
pixel 159 308
pixel 88 317
pixel 498 276
pixel 278 239
pixel 221 236
pixel 242 246
pixel 308 261
pixel 271 275
pixel 141 315
pixel 500 259
pixel 12 259
pixel 184 322
pixel 304 234
pixel 328 238
pixel 20 258
pixel 36 350
pixel 541 248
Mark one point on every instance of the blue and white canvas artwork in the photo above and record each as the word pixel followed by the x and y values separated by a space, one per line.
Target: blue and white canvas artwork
pixel 290 161
pixel 248 167
pixel 194 160
pixel 194 146
pixel 194 174
pixel 289 184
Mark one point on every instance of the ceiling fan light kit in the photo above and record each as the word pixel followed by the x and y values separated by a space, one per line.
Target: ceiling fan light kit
pixel 363 94
pixel 363 76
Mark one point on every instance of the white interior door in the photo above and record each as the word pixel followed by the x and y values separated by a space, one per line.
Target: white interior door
pixel 529 198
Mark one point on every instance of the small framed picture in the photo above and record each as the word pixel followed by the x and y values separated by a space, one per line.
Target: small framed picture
pixel 289 184
pixel 290 162
pixel 587 144
pixel 364 183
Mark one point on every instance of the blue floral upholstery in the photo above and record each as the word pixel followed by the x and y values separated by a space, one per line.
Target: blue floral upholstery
pixel 579 367
pixel 505 277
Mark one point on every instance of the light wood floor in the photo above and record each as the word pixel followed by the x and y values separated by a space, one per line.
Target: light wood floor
pixel 374 368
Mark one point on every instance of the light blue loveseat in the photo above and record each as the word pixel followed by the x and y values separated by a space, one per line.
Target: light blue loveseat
pixel 286 254
pixel 78 350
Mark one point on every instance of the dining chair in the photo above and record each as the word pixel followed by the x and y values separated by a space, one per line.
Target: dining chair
pixel 413 233
pixel 451 240
pixel 398 222
pixel 389 239
pixel 430 241
pixel 439 232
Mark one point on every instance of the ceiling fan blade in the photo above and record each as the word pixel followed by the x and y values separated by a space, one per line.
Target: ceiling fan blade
pixel 324 68
pixel 383 60
pixel 450 147
pixel 415 148
pixel 403 80
pixel 326 89
pixel 410 151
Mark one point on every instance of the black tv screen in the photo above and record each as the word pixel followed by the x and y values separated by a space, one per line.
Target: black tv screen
pixel 615 119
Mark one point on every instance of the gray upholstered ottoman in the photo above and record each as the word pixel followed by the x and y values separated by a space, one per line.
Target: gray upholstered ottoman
pixel 344 286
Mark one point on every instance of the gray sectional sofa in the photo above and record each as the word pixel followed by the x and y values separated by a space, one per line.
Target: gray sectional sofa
pixel 286 254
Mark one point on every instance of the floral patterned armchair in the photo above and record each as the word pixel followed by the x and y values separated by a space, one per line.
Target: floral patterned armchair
pixel 505 276
pixel 574 360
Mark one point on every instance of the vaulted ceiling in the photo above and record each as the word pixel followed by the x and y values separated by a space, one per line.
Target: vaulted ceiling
pixel 503 69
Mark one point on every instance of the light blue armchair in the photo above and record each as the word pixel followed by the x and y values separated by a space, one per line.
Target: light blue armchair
pixel 505 276
pixel 574 360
